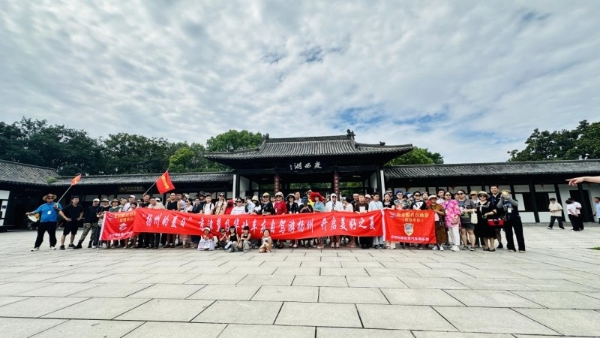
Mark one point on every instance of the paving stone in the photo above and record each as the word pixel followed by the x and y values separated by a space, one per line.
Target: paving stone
pixel 398 317
pixel 240 312
pixel 181 330
pixel 492 284
pixel 233 292
pixel 58 290
pixel 21 327
pixel 288 293
pixel 175 310
pixel 111 290
pixel 77 278
pixel 170 278
pixel 318 314
pixel 32 277
pixel 327 332
pixel 321 265
pixel 298 271
pixel 385 272
pixel 245 270
pixel 267 280
pixel 419 297
pixel 430 334
pixel 491 320
pixel 567 322
pixel 375 282
pixel 97 308
pixel 37 306
pixel 432 283
pixel 490 298
pixel 561 300
pixel 90 328
pixel 555 285
pixel 361 272
pixel 122 278
pixel 236 331
pixel 216 279
pixel 320 281
pixel 13 289
pixel 8 300
pixel 351 295
pixel 172 291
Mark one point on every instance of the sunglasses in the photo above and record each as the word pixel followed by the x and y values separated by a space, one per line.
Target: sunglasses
pixel 460 193
pixel 417 195
pixel 482 196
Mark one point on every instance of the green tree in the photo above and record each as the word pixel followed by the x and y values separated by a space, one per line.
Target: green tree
pixel 135 154
pixel 234 140
pixel 418 156
pixel 565 144
pixel 190 158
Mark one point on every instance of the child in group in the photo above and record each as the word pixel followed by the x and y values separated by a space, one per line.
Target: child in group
pixel 244 242
pixel 207 241
pixel 222 239
pixel 267 242
pixel 232 239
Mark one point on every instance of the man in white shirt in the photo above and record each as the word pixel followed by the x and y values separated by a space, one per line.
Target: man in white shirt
pixel 334 206
pixel 555 214
pixel 127 205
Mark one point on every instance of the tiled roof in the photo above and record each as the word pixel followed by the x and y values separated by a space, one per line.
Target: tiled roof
pixel 148 179
pixel 309 146
pixel 495 169
pixel 19 173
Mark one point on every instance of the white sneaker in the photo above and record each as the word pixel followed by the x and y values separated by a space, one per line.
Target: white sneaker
pixel 441 248
pixel 104 246
pixel 435 247
pixel 35 249
pixel 455 248
pixel 52 248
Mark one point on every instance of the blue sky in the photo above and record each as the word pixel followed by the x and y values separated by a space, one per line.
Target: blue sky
pixel 468 79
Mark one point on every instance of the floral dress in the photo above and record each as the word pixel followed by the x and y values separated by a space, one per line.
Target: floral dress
pixel 452 213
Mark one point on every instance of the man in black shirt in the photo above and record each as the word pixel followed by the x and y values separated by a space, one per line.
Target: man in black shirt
pixel 90 221
pixel 171 204
pixel 73 213
pixel 495 197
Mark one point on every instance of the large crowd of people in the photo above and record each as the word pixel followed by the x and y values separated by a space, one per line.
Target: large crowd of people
pixel 462 221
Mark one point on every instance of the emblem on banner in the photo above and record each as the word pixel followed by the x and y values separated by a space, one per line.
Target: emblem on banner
pixel 409 228
pixel 122 226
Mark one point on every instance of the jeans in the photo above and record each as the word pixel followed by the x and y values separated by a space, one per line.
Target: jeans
pixel 44 227
pixel 556 218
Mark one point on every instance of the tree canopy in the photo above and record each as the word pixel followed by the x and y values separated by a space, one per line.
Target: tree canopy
pixel 418 156
pixel 581 142
pixel 73 151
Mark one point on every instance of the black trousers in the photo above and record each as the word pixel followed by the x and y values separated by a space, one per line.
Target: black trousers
pixel 576 222
pixel 514 225
pixel 44 227
pixel 556 218
pixel 366 242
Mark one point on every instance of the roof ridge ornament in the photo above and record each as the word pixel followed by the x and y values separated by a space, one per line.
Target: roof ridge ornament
pixel 350 133
pixel 266 136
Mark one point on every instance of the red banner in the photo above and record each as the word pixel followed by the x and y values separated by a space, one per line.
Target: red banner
pixel 117 226
pixel 410 226
pixel 291 226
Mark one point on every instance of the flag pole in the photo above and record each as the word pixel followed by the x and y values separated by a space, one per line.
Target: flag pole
pixel 153 184
pixel 63 195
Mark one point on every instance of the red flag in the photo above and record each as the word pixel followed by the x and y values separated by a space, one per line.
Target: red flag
pixel 164 183
pixel 76 179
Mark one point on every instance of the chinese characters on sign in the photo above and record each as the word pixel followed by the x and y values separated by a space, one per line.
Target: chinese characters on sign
pixel 306 165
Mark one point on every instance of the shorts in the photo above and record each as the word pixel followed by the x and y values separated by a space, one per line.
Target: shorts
pixel 468 226
pixel 70 228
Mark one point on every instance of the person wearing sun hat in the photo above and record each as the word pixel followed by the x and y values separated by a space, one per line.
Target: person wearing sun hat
pixel 207 241
pixel 48 219
pixel 267 205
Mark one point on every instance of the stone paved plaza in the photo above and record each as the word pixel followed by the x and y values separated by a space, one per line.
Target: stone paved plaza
pixel 552 290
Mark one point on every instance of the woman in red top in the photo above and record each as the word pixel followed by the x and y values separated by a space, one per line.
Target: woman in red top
pixel 280 209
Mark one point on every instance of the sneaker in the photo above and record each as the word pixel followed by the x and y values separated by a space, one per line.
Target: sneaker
pixel 441 248
pixel 62 247
pixel 78 246
pixel 104 246
pixel 465 247
pixel 94 247
pixel 35 249
pixel 455 248
pixel 90 245
pixel 435 247
pixel 500 246
pixel 52 248
pixel 471 249
pixel 549 228
pixel 71 246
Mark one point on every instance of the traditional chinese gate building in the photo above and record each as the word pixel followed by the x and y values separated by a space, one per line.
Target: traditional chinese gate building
pixel 281 162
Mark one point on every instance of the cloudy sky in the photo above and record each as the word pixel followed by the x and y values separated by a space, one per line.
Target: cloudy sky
pixel 468 79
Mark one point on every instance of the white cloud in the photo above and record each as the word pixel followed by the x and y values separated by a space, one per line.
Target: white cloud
pixel 468 79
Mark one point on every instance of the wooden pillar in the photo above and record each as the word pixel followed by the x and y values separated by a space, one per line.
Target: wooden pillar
pixel 336 183
pixel 585 208
pixel 533 202
pixel 276 183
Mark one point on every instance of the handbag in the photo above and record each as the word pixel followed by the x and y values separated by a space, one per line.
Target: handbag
pixel 497 222
pixel 474 219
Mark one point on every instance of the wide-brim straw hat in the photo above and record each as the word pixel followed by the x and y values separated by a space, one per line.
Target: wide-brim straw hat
pixel 483 193
pixel 49 196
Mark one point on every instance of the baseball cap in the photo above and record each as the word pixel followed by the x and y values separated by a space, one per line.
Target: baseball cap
pixel 367 196
pixel 132 196
pixel 96 200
